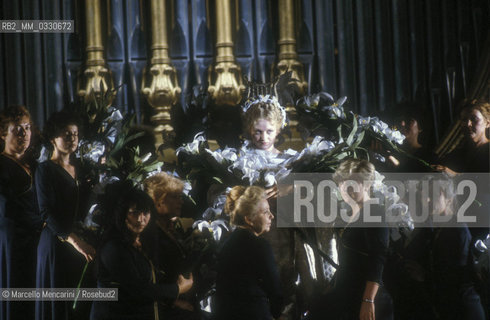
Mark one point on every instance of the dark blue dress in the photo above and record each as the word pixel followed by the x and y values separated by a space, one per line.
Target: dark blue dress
pixel 122 266
pixel 59 265
pixel 20 224
pixel 362 254
pixel 247 285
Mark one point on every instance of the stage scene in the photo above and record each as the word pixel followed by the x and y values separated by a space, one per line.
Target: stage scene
pixel 146 147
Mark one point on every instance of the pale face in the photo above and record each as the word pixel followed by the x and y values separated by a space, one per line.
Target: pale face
pixel 18 137
pixel 67 142
pixel 475 124
pixel 264 135
pixel 262 221
pixel 170 204
pixel 137 220
pixel 357 191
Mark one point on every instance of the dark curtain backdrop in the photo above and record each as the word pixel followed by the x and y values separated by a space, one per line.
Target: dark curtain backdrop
pixel 379 53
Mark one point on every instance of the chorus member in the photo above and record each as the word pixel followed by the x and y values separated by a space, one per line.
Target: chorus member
pixel 248 285
pixel 170 256
pixel 20 222
pixel 61 253
pixel 124 263
pixel 413 124
pixel 474 156
pixel 452 259
pixel 357 291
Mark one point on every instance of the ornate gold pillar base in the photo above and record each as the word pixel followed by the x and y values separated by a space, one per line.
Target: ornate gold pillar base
pixel 225 77
pixel 96 79
pixel 160 86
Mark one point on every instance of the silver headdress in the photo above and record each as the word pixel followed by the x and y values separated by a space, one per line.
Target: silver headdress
pixel 277 93
pixel 268 99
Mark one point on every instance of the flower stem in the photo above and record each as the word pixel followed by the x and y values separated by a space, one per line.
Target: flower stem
pixel 79 284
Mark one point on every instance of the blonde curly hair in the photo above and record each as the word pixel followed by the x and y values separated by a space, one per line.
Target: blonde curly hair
pixel 242 202
pixel 160 184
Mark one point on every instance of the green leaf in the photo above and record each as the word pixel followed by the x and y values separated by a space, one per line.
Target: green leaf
pixel 350 138
pixel 339 131
pixel 359 139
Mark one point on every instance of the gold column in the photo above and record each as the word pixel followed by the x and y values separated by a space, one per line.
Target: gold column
pixel 225 77
pixel 97 78
pixel 159 85
pixel 288 57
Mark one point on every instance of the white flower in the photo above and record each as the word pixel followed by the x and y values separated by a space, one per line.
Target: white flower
pixel 115 115
pixel 378 184
pixel 364 121
pixel 269 179
pixel 187 188
pixel 213 227
pixel 482 245
pixel 378 125
pixel 229 154
pixel 336 110
pixel 192 147
pixel 112 134
pixel 396 136
pixel 282 173
pixel 92 151
pixel 104 180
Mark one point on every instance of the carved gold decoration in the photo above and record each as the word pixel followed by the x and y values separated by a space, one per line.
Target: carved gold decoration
pixel 225 77
pixel 288 56
pixel 97 78
pixel 160 85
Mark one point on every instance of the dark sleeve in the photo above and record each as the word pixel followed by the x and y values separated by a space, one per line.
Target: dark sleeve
pixel 119 262
pixel 47 200
pixel 25 200
pixel 28 202
pixel 377 244
pixel 270 276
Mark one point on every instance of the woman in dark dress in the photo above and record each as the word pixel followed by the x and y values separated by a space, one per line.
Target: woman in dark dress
pixel 248 285
pixel 20 222
pixel 61 253
pixel 474 158
pixel 170 256
pixel 123 263
pixel 455 297
pixel 357 291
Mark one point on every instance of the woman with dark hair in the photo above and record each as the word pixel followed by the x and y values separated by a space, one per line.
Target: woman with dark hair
pixel 61 253
pixel 124 263
pixel 413 124
pixel 20 223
